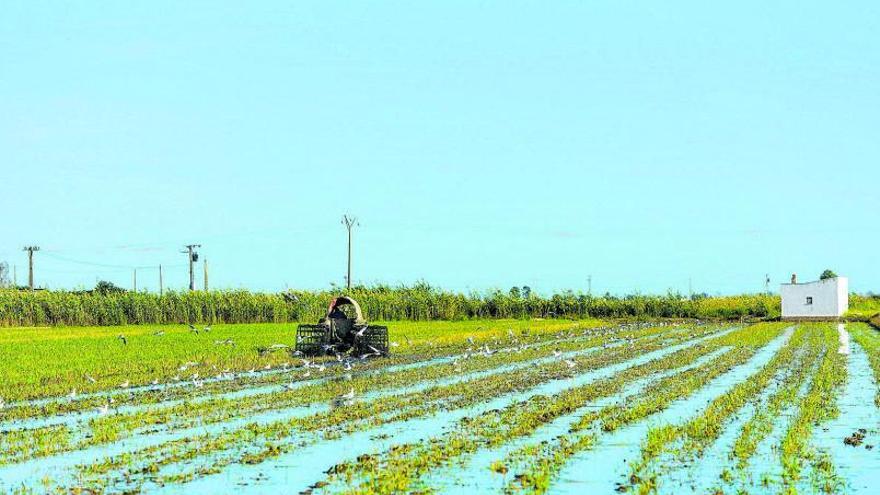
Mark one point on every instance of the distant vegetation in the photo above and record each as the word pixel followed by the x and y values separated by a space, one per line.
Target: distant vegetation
pixel 111 305
pixel 827 274
pixel 108 305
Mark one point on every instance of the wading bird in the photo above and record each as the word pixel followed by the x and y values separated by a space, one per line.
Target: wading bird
pixel 89 378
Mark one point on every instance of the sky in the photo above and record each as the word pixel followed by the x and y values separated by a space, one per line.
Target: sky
pixel 616 146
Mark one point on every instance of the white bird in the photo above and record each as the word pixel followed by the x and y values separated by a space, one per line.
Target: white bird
pixel 395 344
pixel 154 382
pixel 207 328
pixel 89 378
pixel 197 384
pixel 2 404
pixel 347 365
pixel 72 394
pixel 290 386
pixel 348 396
pixel 268 367
pixel 104 409
pixel 159 333
pixel 557 353
pixel 124 384
pixel 570 363
pixel 306 363
pixel 322 368
pixel 307 374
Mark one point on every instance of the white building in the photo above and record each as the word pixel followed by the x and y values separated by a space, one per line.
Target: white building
pixel 824 299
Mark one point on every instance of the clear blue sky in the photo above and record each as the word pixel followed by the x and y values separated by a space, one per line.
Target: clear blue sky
pixel 481 144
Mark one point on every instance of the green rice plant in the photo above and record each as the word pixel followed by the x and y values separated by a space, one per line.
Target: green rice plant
pixel 416 404
pixel 817 406
pixel 401 468
pixel 868 337
pixel 655 397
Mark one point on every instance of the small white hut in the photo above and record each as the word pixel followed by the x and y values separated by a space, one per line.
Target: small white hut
pixel 821 300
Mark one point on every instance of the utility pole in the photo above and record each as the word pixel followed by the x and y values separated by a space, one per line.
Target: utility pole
pixel 15 276
pixel 193 257
pixel 134 279
pixel 767 283
pixel 160 280
pixel 30 251
pixel 690 288
pixel 205 268
pixel 350 223
pixel 590 285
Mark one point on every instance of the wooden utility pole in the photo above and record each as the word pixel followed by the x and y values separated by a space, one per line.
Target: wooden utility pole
pixel 205 268
pixel 193 257
pixel 30 251
pixel 15 276
pixel 350 223
pixel 134 279
pixel 160 280
pixel 590 285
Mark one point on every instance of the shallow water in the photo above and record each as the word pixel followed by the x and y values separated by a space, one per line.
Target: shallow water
pixel 297 470
pixel 858 467
pixel 475 476
pixel 599 470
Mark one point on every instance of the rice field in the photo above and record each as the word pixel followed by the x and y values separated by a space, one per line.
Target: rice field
pixel 481 406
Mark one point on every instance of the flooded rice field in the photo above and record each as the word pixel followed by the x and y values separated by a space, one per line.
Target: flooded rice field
pixel 472 407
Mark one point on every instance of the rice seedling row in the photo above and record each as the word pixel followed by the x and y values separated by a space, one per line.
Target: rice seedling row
pixel 216 409
pixel 401 468
pixel 504 407
pixel 416 404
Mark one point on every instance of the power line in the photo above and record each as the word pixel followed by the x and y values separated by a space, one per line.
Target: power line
pixel 106 265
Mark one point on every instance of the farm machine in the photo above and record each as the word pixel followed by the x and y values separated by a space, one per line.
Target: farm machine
pixel 342 330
